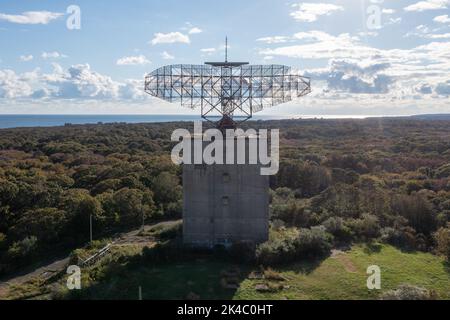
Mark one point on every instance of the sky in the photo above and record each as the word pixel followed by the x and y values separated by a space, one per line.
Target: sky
pixel 364 57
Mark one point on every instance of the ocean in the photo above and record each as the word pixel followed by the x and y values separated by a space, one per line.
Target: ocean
pixel 17 121
pixel 28 120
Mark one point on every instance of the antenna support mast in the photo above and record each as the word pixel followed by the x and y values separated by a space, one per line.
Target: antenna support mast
pixel 226 49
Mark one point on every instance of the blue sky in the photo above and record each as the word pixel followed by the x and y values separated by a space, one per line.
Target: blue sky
pixel 365 57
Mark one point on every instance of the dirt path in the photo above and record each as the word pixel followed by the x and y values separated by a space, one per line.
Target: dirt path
pixel 58 265
pixel 343 258
pixel 43 272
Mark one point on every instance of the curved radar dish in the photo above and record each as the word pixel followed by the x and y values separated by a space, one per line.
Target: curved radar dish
pixel 227 92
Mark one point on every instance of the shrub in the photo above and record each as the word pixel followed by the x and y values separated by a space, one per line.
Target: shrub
pixel 284 193
pixel 442 238
pixel 314 242
pixel 409 292
pixel 413 185
pixel 404 237
pixel 271 274
pixel 277 224
pixel 292 244
pixel 417 209
pixel 344 176
pixel 168 230
pixel 443 171
pixel 292 212
pixel 367 227
pixel 276 251
pixel 22 250
pixel 336 226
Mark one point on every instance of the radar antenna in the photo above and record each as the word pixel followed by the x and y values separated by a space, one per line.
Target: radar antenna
pixel 227 92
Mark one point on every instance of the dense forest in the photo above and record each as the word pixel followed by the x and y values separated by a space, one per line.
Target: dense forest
pixel 340 181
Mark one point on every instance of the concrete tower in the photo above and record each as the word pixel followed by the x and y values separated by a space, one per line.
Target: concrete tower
pixel 225 203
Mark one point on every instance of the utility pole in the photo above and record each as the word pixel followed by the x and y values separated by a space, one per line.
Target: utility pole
pixel 140 293
pixel 143 220
pixel 90 226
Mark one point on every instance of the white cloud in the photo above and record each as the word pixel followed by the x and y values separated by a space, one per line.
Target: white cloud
pixel 321 45
pixel 26 58
pixel 12 86
pixel 310 12
pixel 30 76
pixel 167 56
pixel 388 11
pixel 357 70
pixel 274 39
pixel 352 77
pixel 208 50
pixel 132 90
pixel 428 5
pixel 80 82
pixel 133 60
pixel 171 37
pixel 53 55
pixel 368 34
pixel 31 17
pixel 423 31
pixel 439 36
pixel 195 30
pixel 442 19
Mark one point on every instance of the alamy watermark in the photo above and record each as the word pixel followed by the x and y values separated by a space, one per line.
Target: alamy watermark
pixel 73 21
pixel 374 13
pixel 374 279
pixel 74 278
pixel 227 148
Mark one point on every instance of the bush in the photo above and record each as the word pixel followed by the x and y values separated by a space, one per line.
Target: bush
pixel 314 242
pixel 336 226
pixel 167 230
pixel 22 250
pixel 273 275
pixel 295 244
pixel 292 213
pixel 344 176
pixel 409 292
pixel 404 237
pixel 413 185
pixel 365 228
pixel 442 238
pixel 443 171
pixel 278 249
pixel 417 209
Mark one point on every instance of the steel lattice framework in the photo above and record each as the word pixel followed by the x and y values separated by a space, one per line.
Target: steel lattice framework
pixel 228 90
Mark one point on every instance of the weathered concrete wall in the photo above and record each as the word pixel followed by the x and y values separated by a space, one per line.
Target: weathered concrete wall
pixel 224 203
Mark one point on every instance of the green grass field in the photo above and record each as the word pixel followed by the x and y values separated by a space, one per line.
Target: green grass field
pixel 340 276
pixel 344 276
